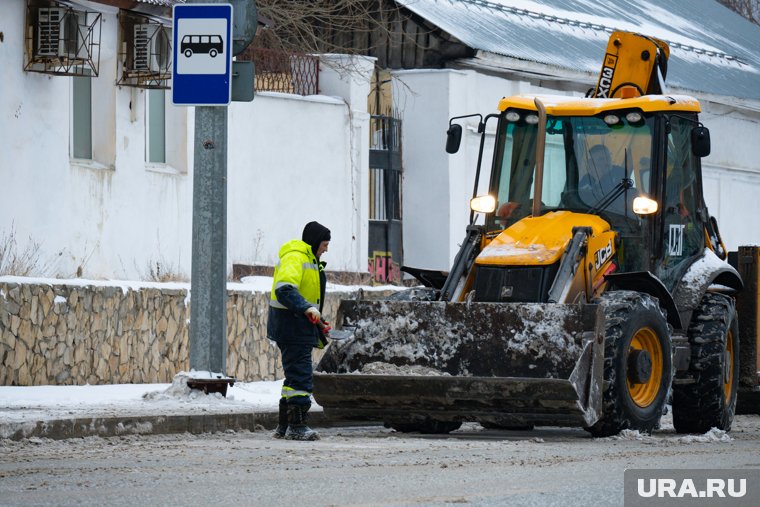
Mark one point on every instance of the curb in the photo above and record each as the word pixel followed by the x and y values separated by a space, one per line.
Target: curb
pixel 60 429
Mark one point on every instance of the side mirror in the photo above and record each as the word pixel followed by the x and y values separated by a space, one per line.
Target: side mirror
pixel 700 141
pixel 453 138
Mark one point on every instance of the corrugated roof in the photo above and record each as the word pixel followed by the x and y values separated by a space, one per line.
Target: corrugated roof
pixel 713 50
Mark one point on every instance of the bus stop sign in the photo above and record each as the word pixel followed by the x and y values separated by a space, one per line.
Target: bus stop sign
pixel 202 68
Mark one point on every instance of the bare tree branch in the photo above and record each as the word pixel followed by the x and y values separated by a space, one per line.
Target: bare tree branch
pixel 325 26
pixel 749 9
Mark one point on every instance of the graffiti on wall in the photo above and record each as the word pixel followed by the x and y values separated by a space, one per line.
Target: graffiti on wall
pixel 383 269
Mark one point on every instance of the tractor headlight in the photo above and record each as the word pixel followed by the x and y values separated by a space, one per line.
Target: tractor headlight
pixel 634 117
pixel 644 206
pixel 531 119
pixel 483 204
pixel 513 116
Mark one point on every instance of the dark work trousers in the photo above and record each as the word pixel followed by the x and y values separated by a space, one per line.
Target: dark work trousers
pixel 299 383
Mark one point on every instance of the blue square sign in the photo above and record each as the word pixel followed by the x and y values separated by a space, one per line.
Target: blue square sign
pixel 202 54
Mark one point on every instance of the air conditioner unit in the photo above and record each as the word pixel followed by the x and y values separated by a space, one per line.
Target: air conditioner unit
pixel 62 33
pixel 152 51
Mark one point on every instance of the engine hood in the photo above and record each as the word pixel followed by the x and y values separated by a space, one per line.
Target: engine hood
pixel 538 241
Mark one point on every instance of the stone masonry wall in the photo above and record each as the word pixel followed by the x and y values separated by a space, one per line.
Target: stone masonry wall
pixel 87 334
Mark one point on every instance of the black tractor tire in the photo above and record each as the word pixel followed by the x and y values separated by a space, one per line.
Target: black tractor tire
pixel 428 426
pixel 710 402
pixel 634 323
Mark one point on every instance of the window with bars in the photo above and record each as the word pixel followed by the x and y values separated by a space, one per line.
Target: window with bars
pixel 384 194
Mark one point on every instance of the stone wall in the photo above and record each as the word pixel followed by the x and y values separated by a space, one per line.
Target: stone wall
pixel 94 334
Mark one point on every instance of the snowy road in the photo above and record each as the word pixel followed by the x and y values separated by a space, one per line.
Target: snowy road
pixel 358 466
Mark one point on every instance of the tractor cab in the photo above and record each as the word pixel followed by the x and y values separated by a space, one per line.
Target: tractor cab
pixel 631 162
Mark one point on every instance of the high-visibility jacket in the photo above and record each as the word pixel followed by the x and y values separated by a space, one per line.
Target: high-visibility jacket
pixel 298 284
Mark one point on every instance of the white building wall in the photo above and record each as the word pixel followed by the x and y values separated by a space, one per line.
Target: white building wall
pixel 291 159
pixel 423 101
pixel 294 160
pixel 731 173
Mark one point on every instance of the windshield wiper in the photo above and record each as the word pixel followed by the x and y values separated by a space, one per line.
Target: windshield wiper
pixel 613 194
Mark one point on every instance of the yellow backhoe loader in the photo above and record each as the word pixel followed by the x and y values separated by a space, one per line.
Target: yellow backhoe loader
pixel 596 291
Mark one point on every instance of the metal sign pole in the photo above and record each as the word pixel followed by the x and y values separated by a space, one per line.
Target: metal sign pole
pixel 208 287
pixel 204 42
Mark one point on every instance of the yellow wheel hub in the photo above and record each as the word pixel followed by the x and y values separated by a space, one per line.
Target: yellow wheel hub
pixel 646 340
pixel 728 371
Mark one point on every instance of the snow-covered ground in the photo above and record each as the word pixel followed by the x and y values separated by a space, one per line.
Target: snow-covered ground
pixel 43 403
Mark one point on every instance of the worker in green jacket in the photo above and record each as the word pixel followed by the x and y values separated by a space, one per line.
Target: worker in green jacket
pixel 295 323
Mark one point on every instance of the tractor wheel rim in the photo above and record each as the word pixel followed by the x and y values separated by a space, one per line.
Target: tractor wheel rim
pixel 728 371
pixel 645 394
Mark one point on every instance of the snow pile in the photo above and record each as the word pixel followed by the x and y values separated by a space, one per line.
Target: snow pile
pixel 180 391
pixel 379 368
pixel 544 333
pixel 632 435
pixel 714 435
pixel 404 336
pixel 476 339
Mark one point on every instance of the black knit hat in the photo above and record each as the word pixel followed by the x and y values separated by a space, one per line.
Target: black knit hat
pixel 315 233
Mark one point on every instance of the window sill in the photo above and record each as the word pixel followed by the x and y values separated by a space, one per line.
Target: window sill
pixel 81 163
pixel 162 168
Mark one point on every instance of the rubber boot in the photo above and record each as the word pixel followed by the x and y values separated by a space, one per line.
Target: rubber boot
pixel 297 428
pixel 282 421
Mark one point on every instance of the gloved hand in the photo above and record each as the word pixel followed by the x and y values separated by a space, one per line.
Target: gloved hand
pixel 312 314
pixel 325 327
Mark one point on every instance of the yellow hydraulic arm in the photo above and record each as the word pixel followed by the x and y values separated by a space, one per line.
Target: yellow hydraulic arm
pixel 633 60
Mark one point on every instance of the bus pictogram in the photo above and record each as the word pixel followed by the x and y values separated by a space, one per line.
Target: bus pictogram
pixel 202 44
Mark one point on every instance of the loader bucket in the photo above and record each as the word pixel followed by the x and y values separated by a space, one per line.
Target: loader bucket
pixel 510 364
